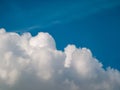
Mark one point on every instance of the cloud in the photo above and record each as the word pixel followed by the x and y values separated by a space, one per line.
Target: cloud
pixel 34 63
pixel 82 9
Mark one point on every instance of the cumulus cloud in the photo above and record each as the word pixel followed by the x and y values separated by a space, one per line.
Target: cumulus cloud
pixel 34 63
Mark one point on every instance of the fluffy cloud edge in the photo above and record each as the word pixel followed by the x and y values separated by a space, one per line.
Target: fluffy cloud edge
pixel 28 61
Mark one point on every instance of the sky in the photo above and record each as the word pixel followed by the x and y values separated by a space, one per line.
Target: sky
pixel 93 25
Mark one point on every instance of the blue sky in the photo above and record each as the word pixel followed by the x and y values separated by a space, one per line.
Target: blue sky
pixel 95 25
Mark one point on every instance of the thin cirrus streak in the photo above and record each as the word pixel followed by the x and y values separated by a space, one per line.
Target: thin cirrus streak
pixel 68 12
pixel 72 11
pixel 34 27
pixel 56 12
pixel 34 63
pixel 85 8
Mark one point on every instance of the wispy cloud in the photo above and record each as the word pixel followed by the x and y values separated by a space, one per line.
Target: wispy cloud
pixel 81 9
pixel 48 15
pixel 41 26
pixel 71 11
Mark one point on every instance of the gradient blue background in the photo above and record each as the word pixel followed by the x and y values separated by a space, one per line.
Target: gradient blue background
pixel 93 24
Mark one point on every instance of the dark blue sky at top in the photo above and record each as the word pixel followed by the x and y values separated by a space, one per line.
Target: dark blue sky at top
pixel 93 24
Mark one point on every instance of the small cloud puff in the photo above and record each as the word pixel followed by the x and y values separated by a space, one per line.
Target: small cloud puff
pixel 34 63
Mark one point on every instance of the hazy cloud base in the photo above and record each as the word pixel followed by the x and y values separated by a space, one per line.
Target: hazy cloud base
pixel 34 63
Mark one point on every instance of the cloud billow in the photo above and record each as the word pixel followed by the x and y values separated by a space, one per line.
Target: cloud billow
pixel 34 63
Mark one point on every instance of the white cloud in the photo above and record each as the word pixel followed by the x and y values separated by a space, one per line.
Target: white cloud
pixel 43 40
pixel 34 63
